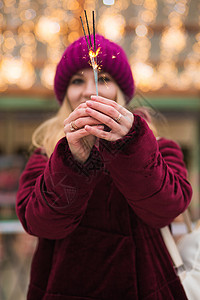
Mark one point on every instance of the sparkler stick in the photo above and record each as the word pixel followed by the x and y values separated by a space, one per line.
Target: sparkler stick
pixel 92 52
pixel 94 30
pixel 88 28
pixel 95 69
pixel 85 34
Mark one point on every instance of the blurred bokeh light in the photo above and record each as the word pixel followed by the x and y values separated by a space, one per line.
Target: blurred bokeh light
pixel 161 38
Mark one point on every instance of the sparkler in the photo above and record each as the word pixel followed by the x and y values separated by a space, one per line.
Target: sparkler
pixel 92 51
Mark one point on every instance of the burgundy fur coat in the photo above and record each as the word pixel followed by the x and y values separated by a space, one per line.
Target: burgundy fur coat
pixel 98 224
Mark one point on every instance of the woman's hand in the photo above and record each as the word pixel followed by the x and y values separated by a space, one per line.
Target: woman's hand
pixel 80 141
pixel 110 113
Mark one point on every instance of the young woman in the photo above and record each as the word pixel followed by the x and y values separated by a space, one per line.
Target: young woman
pixel 96 191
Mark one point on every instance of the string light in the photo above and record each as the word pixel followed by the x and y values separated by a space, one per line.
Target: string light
pixel 112 24
pixel 34 34
pixel 144 72
pixel 108 2
pixel 173 42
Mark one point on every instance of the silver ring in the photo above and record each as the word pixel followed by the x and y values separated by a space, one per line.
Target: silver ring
pixel 73 126
pixel 118 118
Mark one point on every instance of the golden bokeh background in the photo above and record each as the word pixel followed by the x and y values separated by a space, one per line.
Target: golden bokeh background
pixel 161 38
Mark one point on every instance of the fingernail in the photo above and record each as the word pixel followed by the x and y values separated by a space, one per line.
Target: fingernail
pixel 88 110
pixel 89 103
pixel 93 97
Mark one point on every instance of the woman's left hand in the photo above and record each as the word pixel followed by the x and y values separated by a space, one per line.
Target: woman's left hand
pixel 110 113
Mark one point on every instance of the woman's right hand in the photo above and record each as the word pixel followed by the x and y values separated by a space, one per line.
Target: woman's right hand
pixel 79 140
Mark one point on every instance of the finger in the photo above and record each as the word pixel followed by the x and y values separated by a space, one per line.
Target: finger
pixel 109 102
pixel 75 115
pixel 103 118
pixel 104 100
pixel 118 127
pixel 111 111
pixel 82 105
pixel 99 133
pixel 77 135
pixel 104 108
pixel 80 123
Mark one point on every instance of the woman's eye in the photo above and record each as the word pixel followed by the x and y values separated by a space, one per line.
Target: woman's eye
pixel 104 79
pixel 77 81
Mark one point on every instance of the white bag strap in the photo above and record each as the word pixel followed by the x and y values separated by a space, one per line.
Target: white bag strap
pixel 187 220
pixel 172 248
pixel 171 244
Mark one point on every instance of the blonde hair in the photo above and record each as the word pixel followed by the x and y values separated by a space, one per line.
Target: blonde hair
pixel 146 113
pixel 51 131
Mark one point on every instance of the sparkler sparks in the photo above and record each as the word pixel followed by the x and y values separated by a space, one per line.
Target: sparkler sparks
pixel 93 53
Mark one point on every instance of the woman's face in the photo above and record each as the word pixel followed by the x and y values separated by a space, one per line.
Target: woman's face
pixel 82 86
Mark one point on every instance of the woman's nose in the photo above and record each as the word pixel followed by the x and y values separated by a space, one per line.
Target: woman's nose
pixel 90 89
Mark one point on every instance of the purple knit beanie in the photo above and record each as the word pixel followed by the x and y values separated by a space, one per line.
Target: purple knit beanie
pixel 111 59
